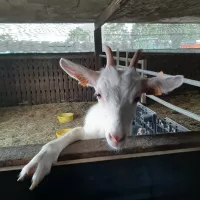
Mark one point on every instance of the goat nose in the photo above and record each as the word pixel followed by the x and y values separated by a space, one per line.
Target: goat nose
pixel 116 139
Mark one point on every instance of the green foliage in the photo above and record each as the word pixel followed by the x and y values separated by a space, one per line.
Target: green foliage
pixel 116 35
pixel 121 36
pixel 174 33
pixel 79 40
pixel 149 36
pixel 5 37
pixel 78 34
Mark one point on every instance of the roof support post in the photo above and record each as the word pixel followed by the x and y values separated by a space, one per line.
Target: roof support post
pixel 98 46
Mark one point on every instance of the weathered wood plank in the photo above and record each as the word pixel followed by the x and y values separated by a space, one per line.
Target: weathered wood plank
pixel 27 82
pixel 61 84
pixel 65 85
pixel 37 82
pixel 56 80
pixel 51 82
pixel 11 79
pixel 32 83
pixel 46 80
pixel 98 150
pixel 42 82
pixel 22 82
pixel 2 86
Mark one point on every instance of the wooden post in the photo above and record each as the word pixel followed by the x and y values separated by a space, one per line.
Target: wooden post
pixel 117 57
pixel 144 67
pixel 98 46
pixel 126 58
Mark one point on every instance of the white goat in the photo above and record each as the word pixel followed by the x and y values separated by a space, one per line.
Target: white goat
pixel 118 90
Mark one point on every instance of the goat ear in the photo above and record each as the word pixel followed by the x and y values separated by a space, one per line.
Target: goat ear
pixel 85 76
pixel 161 84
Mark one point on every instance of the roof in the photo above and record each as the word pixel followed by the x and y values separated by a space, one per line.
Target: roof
pixel 52 10
pixel 99 11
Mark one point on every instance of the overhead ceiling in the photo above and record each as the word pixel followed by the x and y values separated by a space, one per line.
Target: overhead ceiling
pixel 31 11
pixel 78 11
pixel 165 11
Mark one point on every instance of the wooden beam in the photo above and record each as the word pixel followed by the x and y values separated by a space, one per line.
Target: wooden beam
pixel 98 46
pixel 126 63
pixel 117 57
pixel 98 41
pixel 108 12
pixel 97 150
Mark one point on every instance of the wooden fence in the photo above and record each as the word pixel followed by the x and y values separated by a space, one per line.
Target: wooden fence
pixel 38 79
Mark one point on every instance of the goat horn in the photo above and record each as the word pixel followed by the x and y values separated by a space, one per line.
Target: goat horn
pixel 135 58
pixel 109 56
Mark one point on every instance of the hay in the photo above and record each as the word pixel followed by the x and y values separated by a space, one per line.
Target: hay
pixel 189 102
pixel 37 124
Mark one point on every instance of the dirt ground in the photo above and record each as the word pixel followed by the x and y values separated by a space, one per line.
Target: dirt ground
pixel 21 125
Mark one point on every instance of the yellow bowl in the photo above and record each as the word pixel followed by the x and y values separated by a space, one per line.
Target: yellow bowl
pixel 65 117
pixel 62 132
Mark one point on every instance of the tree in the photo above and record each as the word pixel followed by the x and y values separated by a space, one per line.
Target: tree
pixel 166 35
pixel 116 35
pixel 5 37
pixel 78 34
pixel 79 40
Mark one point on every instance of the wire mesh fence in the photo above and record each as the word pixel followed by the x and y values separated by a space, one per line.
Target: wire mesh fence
pixel 153 41
pixel 58 38
pixel 46 38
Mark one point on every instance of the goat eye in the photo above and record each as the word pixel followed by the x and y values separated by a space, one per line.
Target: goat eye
pixel 98 95
pixel 136 99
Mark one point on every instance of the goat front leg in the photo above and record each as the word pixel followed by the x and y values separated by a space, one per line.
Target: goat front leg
pixel 41 164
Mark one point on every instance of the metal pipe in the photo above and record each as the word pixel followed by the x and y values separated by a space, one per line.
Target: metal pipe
pixel 176 108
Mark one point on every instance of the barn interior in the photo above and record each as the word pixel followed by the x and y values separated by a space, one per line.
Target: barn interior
pixel 34 90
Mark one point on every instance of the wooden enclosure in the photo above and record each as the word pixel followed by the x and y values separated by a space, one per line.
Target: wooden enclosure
pixel 38 79
pixel 163 166
pixel 150 167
